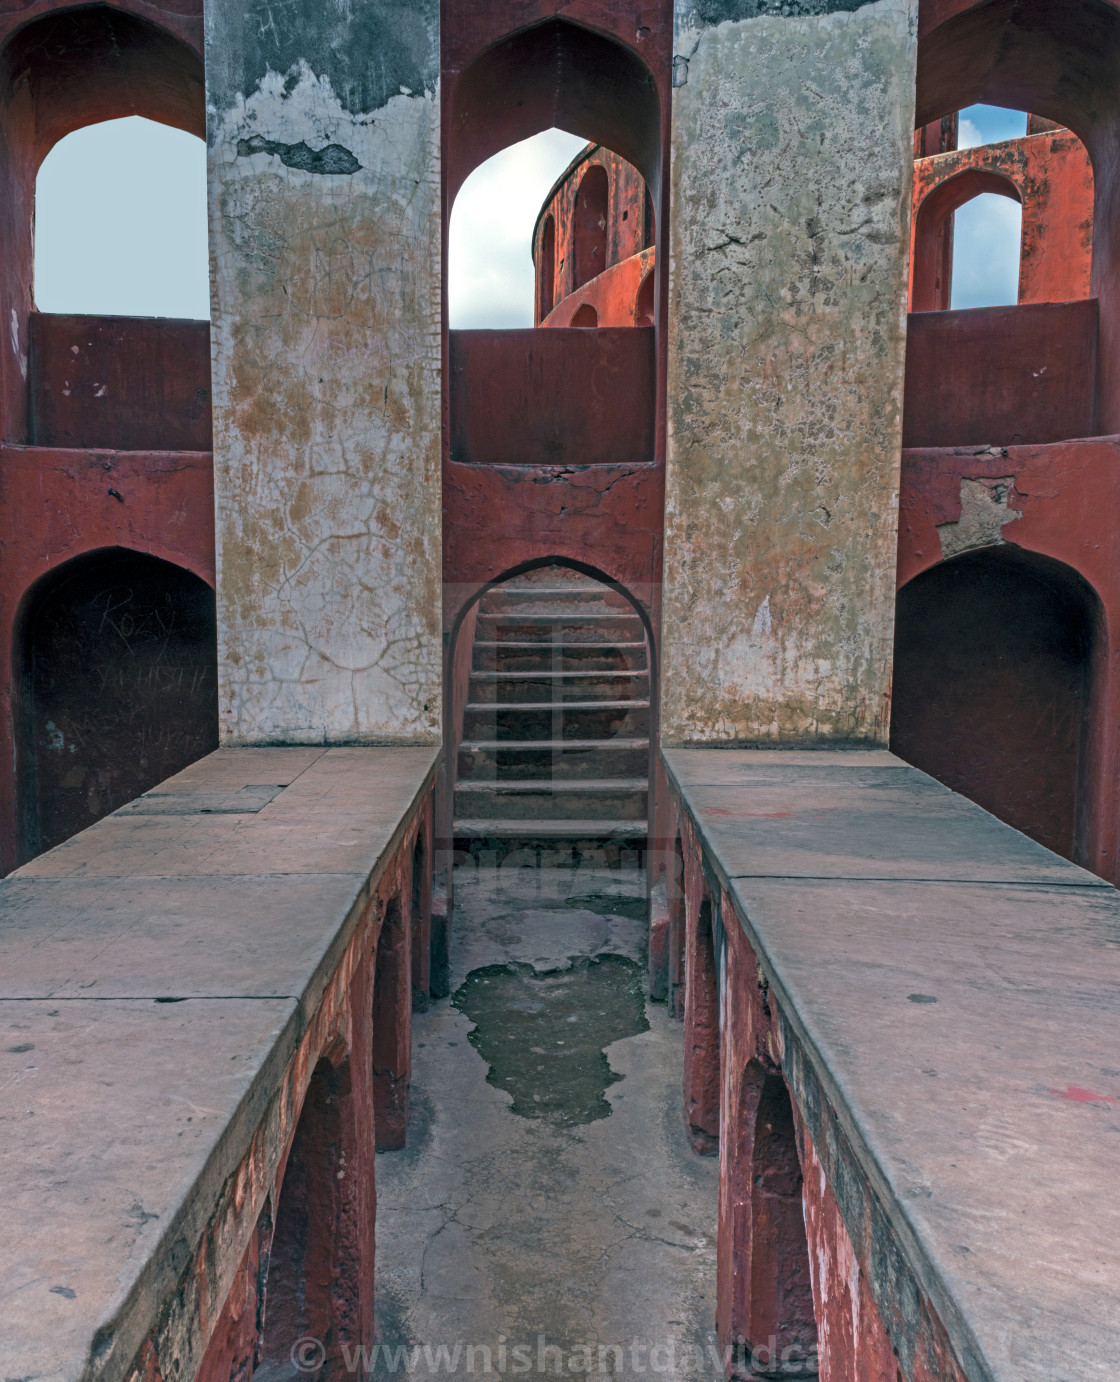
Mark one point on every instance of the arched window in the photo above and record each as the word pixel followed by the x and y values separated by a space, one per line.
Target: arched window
pixel 987 233
pixel 546 268
pixel 590 228
pixel 958 265
pixel 120 222
pixel 118 688
pixel 490 237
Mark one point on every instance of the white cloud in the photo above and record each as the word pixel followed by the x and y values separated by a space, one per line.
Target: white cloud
pixel 989 125
pixel 968 134
pixel 489 260
pixel 986 237
pixel 120 222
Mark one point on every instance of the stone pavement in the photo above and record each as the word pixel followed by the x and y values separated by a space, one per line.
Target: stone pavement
pixel 583 1221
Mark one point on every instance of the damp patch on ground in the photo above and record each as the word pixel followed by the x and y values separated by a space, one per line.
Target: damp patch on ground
pixel 543 1036
pixel 633 908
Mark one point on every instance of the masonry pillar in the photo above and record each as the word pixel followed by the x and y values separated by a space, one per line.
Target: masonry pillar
pixel 325 257
pixel 792 160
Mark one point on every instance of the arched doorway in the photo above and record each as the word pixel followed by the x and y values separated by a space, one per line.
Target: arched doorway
pixel 117 688
pixel 993 654
pixel 553 713
pixel 314 1292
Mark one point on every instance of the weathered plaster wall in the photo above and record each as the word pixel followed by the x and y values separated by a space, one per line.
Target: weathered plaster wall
pixel 791 173
pixel 325 234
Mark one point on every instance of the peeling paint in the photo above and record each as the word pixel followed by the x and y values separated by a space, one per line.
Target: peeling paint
pixel 333 159
pixel 985 511
pixel 791 175
pixel 368 53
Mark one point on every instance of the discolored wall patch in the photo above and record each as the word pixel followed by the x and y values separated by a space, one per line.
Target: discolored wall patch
pixel 325 235
pixel 791 175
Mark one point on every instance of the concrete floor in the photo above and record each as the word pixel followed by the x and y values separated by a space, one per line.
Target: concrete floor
pixel 545 1233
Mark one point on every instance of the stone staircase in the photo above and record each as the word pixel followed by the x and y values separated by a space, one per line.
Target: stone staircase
pixel 555 743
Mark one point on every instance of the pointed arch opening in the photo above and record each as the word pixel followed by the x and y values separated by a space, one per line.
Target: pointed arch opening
pixel 702 1044
pixel 591 213
pixel 551 713
pixel 997 653
pixel 774 1308
pixel 313 1287
pixel 392 1029
pixel 74 68
pixel 935 241
pixel 116 656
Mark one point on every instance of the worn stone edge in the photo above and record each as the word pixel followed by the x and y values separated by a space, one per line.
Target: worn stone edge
pixel 1080 877
pixel 803 1055
pixel 133 1313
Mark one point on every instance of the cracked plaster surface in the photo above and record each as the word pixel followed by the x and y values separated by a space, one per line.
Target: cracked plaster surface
pixel 489 1224
pixel 985 511
pixel 326 351
pixel 791 171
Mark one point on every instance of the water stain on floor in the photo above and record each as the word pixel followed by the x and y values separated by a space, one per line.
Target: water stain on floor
pixel 543 1035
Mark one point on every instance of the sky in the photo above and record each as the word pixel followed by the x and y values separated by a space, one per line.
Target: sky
pixel 120 225
pixel 490 253
pixel 120 222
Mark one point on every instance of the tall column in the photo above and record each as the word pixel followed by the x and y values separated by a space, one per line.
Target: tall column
pixel 792 161
pixel 325 264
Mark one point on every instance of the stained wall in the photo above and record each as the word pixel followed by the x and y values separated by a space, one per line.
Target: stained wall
pixel 791 181
pixel 325 272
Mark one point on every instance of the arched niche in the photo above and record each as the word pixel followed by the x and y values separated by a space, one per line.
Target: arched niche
pixel 71 68
pixel 555 74
pixel 589 240
pixel 993 671
pixel 702 1030
pixel 312 1289
pixel 643 307
pixel 1059 61
pixel 391 1028
pixel 116 688
pixel 485 745
pixel 546 268
pixel 933 234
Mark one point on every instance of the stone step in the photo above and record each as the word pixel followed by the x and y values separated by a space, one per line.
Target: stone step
pixel 624 799
pixel 573 720
pixel 528 656
pixel 582 831
pixel 505 598
pixel 588 626
pixel 551 687
pixel 560 759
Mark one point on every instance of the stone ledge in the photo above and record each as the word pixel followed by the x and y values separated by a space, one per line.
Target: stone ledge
pixel 159 973
pixel 950 987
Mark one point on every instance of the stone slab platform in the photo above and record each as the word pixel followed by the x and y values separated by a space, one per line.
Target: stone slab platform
pixel 956 989
pixel 157 972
